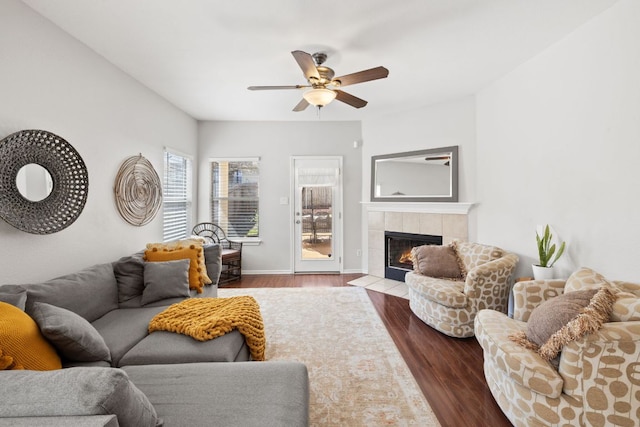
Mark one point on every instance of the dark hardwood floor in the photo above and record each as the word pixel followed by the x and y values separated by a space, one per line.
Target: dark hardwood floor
pixel 448 370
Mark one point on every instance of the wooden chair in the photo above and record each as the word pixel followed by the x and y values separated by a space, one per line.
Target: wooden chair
pixel 231 250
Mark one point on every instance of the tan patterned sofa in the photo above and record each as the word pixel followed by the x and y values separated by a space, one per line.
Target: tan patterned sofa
pixel 597 382
pixel 450 305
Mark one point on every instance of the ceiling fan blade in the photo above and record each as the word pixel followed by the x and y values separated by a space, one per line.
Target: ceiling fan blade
pixel 302 105
pixel 347 98
pixel 305 61
pixel 276 87
pixel 363 76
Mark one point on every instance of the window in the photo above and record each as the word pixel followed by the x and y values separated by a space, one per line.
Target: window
pixel 234 196
pixel 176 196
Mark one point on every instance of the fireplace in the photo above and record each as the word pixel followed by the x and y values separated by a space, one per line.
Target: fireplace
pixel 397 251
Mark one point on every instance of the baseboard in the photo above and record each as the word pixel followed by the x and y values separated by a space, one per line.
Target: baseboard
pixel 256 272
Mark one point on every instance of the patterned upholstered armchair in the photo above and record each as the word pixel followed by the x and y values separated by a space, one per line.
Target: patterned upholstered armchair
pixel 450 305
pixel 597 382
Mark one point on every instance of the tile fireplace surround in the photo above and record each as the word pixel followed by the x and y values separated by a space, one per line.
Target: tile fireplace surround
pixel 449 220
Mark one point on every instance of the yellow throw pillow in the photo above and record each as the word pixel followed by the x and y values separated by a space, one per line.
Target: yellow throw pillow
pixel 192 253
pixel 22 346
pixel 186 243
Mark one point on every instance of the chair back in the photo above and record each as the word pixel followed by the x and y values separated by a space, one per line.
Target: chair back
pixel 472 255
pixel 210 231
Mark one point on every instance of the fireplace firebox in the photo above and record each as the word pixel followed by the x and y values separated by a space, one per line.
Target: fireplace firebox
pixel 397 251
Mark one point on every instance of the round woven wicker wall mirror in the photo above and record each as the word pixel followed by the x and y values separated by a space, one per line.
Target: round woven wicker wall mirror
pixel 138 191
pixel 65 175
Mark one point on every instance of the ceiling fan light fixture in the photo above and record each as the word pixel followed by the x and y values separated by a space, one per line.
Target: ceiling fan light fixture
pixel 319 97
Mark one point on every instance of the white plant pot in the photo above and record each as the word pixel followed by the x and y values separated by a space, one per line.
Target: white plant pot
pixel 542 273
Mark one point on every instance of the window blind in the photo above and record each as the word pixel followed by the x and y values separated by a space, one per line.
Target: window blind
pixel 176 197
pixel 235 197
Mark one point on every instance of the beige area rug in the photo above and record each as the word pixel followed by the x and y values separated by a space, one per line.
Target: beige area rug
pixel 357 376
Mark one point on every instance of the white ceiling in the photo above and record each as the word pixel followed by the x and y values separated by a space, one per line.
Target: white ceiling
pixel 202 54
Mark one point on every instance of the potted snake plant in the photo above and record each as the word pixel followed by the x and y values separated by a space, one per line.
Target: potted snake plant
pixel 547 254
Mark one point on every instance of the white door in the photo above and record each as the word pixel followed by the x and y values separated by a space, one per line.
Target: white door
pixel 317 214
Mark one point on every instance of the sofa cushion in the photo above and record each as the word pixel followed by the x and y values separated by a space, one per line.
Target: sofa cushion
pixel 76 391
pixel 209 291
pixel 193 253
pixel 436 261
pixel 162 347
pixel 124 328
pixel 243 394
pixel 14 295
pixel 91 292
pixel 165 279
pixel 22 346
pixel 73 337
pixel 129 273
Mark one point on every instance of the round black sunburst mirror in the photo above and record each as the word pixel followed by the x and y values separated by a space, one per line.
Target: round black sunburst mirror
pixel 65 171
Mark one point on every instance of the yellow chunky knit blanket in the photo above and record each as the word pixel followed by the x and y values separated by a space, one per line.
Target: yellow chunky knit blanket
pixel 208 318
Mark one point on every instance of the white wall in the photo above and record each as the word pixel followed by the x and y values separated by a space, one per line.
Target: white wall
pixel 559 143
pixel 50 81
pixel 275 143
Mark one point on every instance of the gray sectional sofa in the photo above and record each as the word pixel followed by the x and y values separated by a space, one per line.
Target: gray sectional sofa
pixel 115 373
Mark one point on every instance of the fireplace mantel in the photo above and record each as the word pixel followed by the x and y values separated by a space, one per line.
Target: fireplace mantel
pixel 439 208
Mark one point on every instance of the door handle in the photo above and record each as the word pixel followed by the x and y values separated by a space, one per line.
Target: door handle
pixel 298 221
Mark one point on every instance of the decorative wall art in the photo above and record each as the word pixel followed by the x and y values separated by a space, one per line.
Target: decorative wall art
pixel 138 191
pixel 44 182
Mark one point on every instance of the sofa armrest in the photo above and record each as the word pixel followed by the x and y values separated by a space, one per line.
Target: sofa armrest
pixel 527 295
pixel 69 421
pixel 524 366
pixel 75 391
pixel 492 278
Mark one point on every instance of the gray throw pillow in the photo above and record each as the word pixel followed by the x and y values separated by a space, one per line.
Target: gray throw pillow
pixel 213 261
pixel 165 279
pixel 73 336
pixel 129 272
pixel 76 391
pixel 14 295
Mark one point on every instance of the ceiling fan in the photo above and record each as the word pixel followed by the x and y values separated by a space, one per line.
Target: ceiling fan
pixel 324 87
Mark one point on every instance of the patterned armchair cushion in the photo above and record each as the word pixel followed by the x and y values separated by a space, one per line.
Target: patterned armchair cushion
pixel 627 305
pixel 472 255
pixel 522 365
pixel 442 291
pixel 585 278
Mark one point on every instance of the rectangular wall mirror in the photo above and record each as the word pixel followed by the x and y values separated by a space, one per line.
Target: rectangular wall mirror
pixel 416 176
